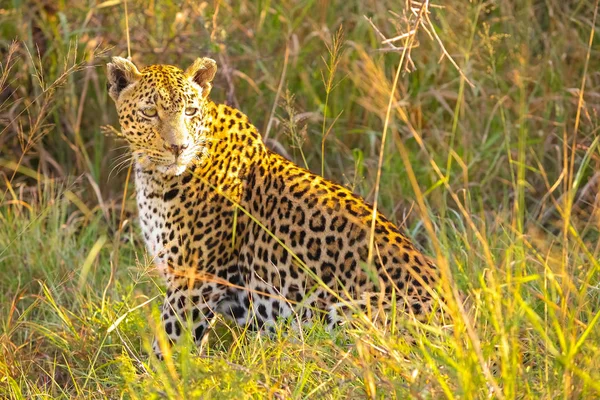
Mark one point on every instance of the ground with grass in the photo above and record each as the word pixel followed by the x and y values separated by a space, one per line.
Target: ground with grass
pixel 485 149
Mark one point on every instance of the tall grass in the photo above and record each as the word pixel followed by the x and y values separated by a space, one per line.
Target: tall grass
pixel 490 162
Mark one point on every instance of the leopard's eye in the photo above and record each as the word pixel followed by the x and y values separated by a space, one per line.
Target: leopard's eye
pixel 149 112
pixel 191 111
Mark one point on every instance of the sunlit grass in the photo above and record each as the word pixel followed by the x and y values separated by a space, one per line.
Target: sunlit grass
pixel 497 181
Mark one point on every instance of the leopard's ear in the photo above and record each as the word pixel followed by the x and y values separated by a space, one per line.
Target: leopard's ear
pixel 202 72
pixel 121 73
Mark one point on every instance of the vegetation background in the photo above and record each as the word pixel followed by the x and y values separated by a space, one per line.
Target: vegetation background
pixel 490 160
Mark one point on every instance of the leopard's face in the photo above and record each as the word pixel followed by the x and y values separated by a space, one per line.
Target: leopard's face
pixel 161 111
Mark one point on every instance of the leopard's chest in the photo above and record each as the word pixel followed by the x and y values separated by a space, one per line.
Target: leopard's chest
pixel 184 224
pixel 152 211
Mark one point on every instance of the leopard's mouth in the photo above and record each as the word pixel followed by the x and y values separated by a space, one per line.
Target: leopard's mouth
pixel 167 164
pixel 176 168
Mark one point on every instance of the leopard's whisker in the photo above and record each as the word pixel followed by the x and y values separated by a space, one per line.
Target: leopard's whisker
pixel 116 167
pixel 120 148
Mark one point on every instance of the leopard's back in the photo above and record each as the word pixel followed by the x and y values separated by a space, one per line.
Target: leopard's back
pixel 318 242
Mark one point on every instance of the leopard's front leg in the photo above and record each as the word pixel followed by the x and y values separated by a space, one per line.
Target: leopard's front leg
pixel 183 308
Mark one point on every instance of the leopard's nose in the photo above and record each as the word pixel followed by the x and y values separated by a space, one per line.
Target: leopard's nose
pixel 176 149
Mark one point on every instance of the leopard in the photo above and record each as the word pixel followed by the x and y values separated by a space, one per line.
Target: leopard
pixel 238 230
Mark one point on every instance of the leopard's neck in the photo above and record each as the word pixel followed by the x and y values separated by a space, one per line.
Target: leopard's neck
pixel 234 152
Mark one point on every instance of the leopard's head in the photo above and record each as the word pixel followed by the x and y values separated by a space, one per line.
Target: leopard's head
pixel 163 111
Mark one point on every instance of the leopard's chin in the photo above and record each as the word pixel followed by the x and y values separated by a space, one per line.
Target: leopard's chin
pixel 175 169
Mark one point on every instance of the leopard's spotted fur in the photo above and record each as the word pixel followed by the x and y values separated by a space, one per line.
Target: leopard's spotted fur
pixel 219 212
